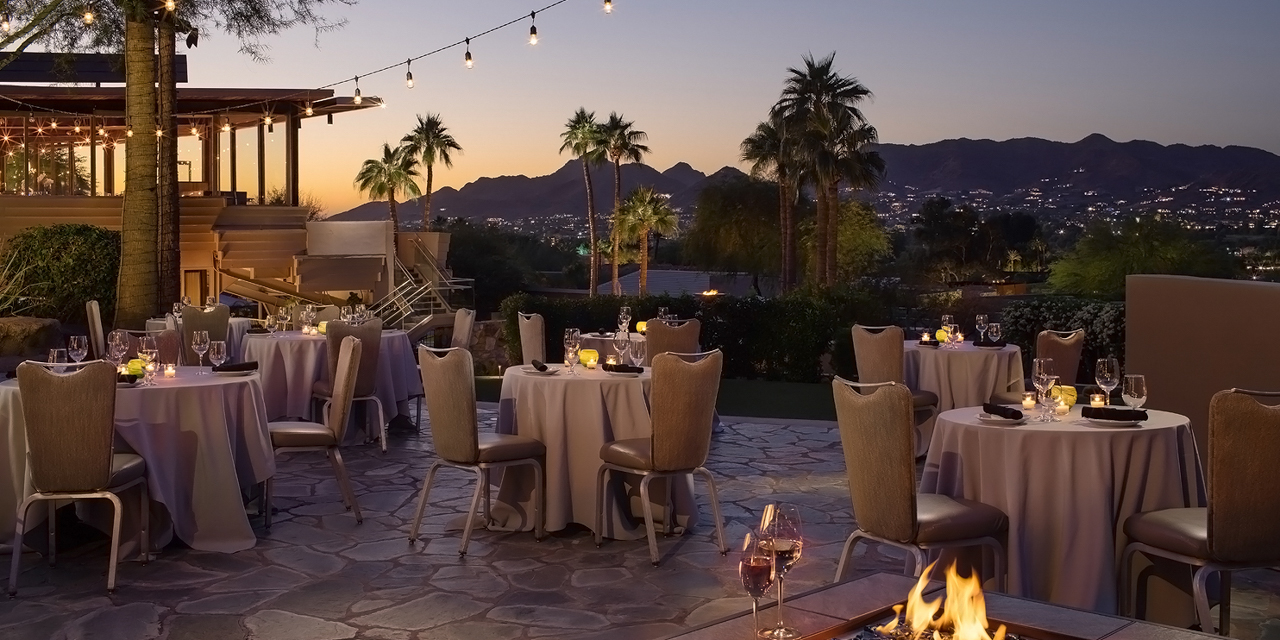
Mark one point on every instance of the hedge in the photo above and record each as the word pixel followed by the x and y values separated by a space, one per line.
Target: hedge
pixel 63 266
pixel 1103 324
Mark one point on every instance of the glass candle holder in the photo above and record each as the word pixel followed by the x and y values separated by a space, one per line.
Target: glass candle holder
pixel 589 358
pixel 1097 400
pixel 1062 409
pixel 1029 400
pixel 170 371
pixel 611 359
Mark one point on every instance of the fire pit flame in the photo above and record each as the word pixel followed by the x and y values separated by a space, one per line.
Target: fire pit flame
pixel 963 618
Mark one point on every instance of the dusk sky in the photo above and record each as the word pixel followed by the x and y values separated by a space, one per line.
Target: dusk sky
pixel 698 75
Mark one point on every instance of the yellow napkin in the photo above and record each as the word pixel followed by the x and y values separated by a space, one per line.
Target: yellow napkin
pixel 323 327
pixel 134 367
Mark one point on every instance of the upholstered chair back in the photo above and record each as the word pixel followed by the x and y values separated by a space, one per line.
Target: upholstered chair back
pixel 448 383
pixel 877 352
pixel 682 406
pixel 681 337
pixel 1243 479
pixel 879 457
pixel 463 321
pixel 345 375
pixel 169 344
pixel 97 339
pixel 1065 348
pixel 70 420
pixel 215 321
pixel 370 336
pixel 533 337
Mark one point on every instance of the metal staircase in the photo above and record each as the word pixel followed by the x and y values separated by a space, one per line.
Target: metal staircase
pixel 421 290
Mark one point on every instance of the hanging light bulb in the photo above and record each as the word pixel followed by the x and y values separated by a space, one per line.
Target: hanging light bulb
pixel 467 59
pixel 4 23
pixel 310 111
pixel 195 131
pixel 226 125
pixel 533 28
pixel 170 5
pixel 88 16
pixel 608 6
pixel 102 131
pixel 53 124
pixel 77 127
pixel 408 73
pixel 267 120
pixel 129 132
pixel 357 97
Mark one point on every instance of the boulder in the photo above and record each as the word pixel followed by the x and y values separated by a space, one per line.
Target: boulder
pixel 24 337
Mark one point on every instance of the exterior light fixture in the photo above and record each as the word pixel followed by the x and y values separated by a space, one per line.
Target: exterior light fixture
pixel 467 60
pixel 408 73
pixel 88 16
pixel 102 131
pixel 53 124
pixel 195 131
pixel 129 132
pixel 533 28
pixel 226 125
pixel 310 111
pixel 170 5
pixel 331 119
pixel 77 127
pixel 357 97
pixel 5 25
pixel 608 6
pixel 267 120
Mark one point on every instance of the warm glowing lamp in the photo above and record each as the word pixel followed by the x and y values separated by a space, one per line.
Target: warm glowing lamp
pixel 589 358
pixel 641 326
pixel 170 371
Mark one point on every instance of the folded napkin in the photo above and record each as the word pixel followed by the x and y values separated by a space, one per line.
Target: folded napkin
pixel 537 364
pixel 127 378
pixel 239 366
pixel 930 341
pixel 1109 413
pixel 989 343
pixel 621 368
pixel 1002 411
pixel 604 333
pixel 9 375
pixel 257 330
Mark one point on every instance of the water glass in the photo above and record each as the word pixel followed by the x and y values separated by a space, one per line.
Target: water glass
pixel 953 335
pixel 210 302
pixel 78 347
pixel 624 319
pixel 637 352
pixel 117 346
pixel 361 313
pixel 994 332
pixel 217 352
pixel 1107 374
pixel 1042 376
pixel 980 323
pixel 270 323
pixel 1134 392
pixel 662 313
pixel 622 345
pixel 345 314
pixel 177 309
pixel 948 319
pixel 283 318
pixel 148 351
pixel 200 345
pixel 755 568
pixel 58 356
pixel 186 301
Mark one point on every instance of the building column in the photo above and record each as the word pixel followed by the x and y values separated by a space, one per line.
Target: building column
pixel 292 129
pixel 262 163
pixel 235 199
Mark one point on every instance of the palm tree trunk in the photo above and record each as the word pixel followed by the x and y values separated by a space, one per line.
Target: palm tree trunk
pixel 833 229
pixel 136 286
pixel 426 201
pixel 395 222
pixel 614 236
pixel 820 233
pixel 644 260
pixel 170 208
pixel 789 247
pixel 593 241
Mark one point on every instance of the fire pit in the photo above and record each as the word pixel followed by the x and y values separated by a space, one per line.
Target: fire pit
pixel 962 617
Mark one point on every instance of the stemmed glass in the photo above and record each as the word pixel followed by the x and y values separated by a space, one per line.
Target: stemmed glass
pixel 117 345
pixel 624 319
pixel 58 356
pixel 662 313
pixel 147 351
pixel 200 345
pixel 1043 378
pixel 637 352
pixel 78 347
pixel 217 352
pixel 781 526
pixel 756 570
pixel 1107 374
pixel 622 345
pixel 980 323
pixel 572 342
pixel 953 335
pixel 186 301
pixel 994 332
pixel 1134 392
pixel 361 314
pixel 270 323
pixel 345 314
pixel 282 318
pixel 177 310
pixel 210 302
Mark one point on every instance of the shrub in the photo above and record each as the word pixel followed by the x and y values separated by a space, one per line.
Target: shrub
pixel 1103 324
pixel 62 266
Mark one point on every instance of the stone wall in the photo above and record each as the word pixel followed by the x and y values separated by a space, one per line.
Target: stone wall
pixel 488 348
pixel 24 338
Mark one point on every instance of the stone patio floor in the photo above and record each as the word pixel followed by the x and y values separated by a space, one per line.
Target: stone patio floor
pixel 319 576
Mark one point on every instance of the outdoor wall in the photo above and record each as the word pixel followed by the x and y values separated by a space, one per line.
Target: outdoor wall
pixel 1193 337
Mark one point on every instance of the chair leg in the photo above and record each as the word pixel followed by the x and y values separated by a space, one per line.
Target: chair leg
pixel 1224 603
pixel 268 489
pixel 53 531
pixel 417 414
pixel 145 517
pixel 16 559
pixel 850 544
pixel 668 508
pixel 917 560
pixel 471 513
pixel 648 519
pixel 382 423
pixel 601 476
pixel 484 473
pixel 998 550
pixel 422 501
pixel 540 501
pixel 115 542
pixel 715 508
pixel 1200 589
pixel 1123 605
pixel 344 482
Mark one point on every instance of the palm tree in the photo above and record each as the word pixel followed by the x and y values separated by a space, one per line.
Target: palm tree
pixel 384 177
pixel 621 141
pixel 428 143
pixel 857 165
pixel 646 211
pixel 771 156
pixel 582 135
pixel 136 287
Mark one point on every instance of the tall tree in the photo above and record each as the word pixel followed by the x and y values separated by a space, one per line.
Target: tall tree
pixel 736 228
pixel 385 177
pixel 772 156
pixel 859 167
pixel 582 136
pixel 169 210
pixel 138 283
pixel 621 141
pixel 646 211
pixel 428 143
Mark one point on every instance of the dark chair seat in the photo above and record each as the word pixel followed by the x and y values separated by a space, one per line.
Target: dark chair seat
pixel 922 398
pixel 322 388
pixel 501 447
pixel 300 434
pixel 633 453
pixel 1182 531
pixel 946 519
pixel 125 468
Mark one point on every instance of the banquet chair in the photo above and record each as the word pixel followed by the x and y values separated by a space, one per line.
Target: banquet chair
pixel 289 437
pixel 664 337
pixel 168 343
pixel 682 403
pixel 370 336
pixel 215 321
pixel 1065 348
pixel 448 382
pixel 878 355
pixel 875 433
pixel 70 451
pixel 97 338
pixel 533 337
pixel 463 323
pixel 1238 529
pixel 415 334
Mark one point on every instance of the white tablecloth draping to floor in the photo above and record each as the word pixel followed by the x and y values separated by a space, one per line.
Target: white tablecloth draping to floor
pixel 574 416
pixel 1067 488
pixel 605 345
pixel 204 438
pixel 291 363
pixel 236 331
pixel 964 377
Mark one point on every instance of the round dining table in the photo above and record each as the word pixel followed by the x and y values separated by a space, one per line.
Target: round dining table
pixel 603 343
pixel 204 439
pixel 291 362
pixel 1067 488
pixel 965 376
pixel 236 331
pixel 574 415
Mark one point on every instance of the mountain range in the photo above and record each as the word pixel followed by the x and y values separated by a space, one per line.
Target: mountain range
pixel 1095 163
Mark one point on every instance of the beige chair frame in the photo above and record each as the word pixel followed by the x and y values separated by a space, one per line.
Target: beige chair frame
pixel 347 494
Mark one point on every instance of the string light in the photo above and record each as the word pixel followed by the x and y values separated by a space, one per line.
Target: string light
pixel 102 131
pixel 608 6
pixel 533 28
pixel 226 125
pixel 129 132
pixel 195 131
pixel 267 119
pixel 170 5
pixel 88 16
pixel 53 124
pixel 310 111
pixel 4 23
pixel 77 126
pixel 467 59
pixel 408 73
pixel 357 98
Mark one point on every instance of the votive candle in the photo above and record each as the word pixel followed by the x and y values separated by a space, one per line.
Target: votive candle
pixel 1028 400
pixel 1062 409
pixel 170 371
pixel 1097 400
pixel 611 360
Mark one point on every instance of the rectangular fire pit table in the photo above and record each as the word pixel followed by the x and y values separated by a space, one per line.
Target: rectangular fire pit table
pixel 836 611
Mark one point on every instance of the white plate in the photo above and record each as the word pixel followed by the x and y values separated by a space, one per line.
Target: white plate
pixel 551 370
pixel 127 385
pixel 986 418
pixel 622 374
pixel 1113 423
pixel 233 374
pixel 600 335
pixel 992 348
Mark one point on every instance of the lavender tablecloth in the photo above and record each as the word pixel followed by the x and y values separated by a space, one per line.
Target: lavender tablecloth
pixel 604 345
pixel 236 331
pixel 964 377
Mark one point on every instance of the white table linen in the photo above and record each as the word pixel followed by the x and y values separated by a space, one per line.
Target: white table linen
pixel 574 416
pixel 1067 488
pixel 604 345
pixel 964 377
pixel 236 331
pixel 204 438
pixel 290 363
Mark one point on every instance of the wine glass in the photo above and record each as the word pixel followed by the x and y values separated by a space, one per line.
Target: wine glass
pixel 572 342
pixel 994 332
pixel 58 356
pixel 1134 392
pixel 78 347
pixel 781 526
pixel 186 301
pixel 948 319
pixel 217 352
pixel 210 302
pixel 1043 378
pixel 980 323
pixel 953 335
pixel 624 319
pixel 345 314
pixel 200 345
pixel 622 345
pixel 117 346
pixel 662 313
pixel 361 313
pixel 270 323
pixel 148 351
pixel 637 352
pixel 1107 374
pixel 177 309
pixel 756 570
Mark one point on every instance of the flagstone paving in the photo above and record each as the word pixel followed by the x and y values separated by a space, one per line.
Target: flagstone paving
pixel 319 576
